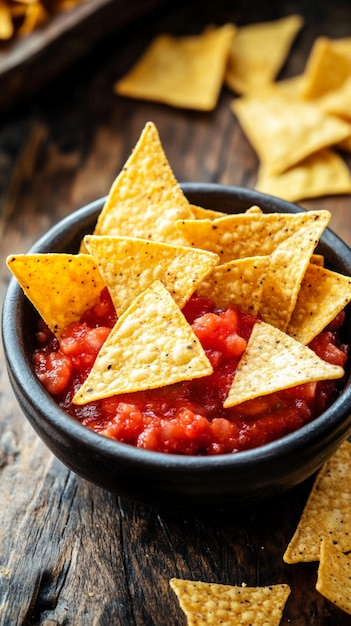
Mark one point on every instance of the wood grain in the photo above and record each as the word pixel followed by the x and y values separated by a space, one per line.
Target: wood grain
pixel 72 554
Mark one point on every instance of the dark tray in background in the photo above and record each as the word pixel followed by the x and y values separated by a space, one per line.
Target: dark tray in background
pixel 27 63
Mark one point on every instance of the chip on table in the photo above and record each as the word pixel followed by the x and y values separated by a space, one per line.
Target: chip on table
pixel 183 71
pixel 212 603
pixel 327 513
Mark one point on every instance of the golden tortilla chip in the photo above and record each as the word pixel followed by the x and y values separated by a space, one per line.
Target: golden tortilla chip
pixel 327 513
pixel 129 266
pixel 35 15
pixel 321 174
pixel 288 264
pixel 259 51
pixel 183 72
pixel 237 282
pixel 338 102
pixel 212 603
pixel 150 346
pixel 323 294
pixel 284 132
pixel 145 200
pixel 273 361
pixel 244 234
pixel 60 286
pixel 334 576
pixel 326 69
pixel 205 214
pixel 6 24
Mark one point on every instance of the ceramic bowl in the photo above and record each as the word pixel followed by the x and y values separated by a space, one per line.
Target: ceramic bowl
pixel 152 477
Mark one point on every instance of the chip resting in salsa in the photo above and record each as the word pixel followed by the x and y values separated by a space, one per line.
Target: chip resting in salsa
pixel 182 330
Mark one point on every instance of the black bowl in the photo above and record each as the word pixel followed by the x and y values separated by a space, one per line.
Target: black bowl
pixel 153 477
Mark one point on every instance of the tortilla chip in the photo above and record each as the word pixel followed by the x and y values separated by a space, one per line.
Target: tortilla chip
pixel 273 361
pixel 238 282
pixel 145 200
pixel 334 576
pixel 327 513
pixel 205 214
pixel 60 286
pixel 338 102
pixel 129 266
pixel 326 69
pixel 259 51
pixel 6 24
pixel 212 603
pixel 244 234
pixel 321 174
pixel 285 132
pixel 288 264
pixel 323 294
pixel 181 71
pixel 150 346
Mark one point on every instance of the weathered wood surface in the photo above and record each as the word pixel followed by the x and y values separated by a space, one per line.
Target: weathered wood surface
pixel 70 553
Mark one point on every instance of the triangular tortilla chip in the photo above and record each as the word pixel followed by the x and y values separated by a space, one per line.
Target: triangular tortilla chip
pixel 321 174
pixel 288 264
pixel 285 131
pixel 237 282
pixel 326 69
pixel 273 361
pixel 129 266
pixel 212 603
pixel 60 286
pixel 181 71
pixel 334 576
pixel 150 346
pixel 327 513
pixel 323 294
pixel 243 234
pixel 145 200
pixel 259 51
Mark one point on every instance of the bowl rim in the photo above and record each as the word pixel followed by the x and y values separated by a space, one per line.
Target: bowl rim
pixel 19 369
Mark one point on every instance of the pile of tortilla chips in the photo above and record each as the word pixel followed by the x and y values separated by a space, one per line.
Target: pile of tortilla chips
pixel 153 250
pixel 298 127
pixel 323 533
pixel 189 71
pixel 19 18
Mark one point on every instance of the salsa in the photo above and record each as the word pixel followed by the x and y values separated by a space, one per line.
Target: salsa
pixel 184 418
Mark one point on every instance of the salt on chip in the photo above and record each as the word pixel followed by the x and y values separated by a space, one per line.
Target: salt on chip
pixel 327 513
pixel 244 234
pixel 184 72
pixel 150 346
pixel 146 199
pixel 259 51
pixel 238 282
pixel 323 294
pixel 321 174
pixel 129 266
pixel 288 264
pixel 273 361
pixel 284 132
pixel 213 603
pixel 60 286
pixel 334 576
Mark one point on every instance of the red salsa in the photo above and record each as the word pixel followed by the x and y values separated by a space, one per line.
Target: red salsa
pixel 188 417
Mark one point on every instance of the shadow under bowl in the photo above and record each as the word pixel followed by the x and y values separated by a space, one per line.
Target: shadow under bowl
pixel 165 479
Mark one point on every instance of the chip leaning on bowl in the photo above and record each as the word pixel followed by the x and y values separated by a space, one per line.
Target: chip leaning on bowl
pixel 182 349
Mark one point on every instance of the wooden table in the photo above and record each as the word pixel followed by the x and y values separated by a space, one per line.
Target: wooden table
pixel 72 554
